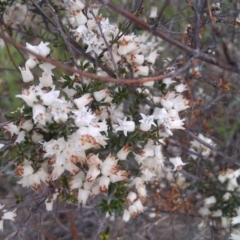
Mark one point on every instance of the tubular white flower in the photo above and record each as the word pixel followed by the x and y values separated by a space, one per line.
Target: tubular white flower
pixel 92 174
pixel 141 70
pixel 83 195
pixel 119 176
pixel 93 160
pixel 235 220
pixel 7 215
pixel 125 126
pixel 43 49
pixel 100 95
pixel 27 125
pixel 126 215
pixel 210 201
pixel 33 49
pixel 46 80
pixel 152 57
pixel 20 137
pixel 36 137
pixel 135 58
pixel 83 101
pixel 181 87
pixel 50 97
pixel 123 152
pixel 177 162
pixel 39 114
pixel 153 13
pixel 31 63
pixel 133 210
pixel 77 180
pixel 217 213
pixel 80 32
pixel 109 166
pixel 47 67
pixel 103 184
pixel 49 201
pixel 204 211
pixel 26 74
pixel 29 96
pixel 138 205
pixel 232 184
pixel 141 189
pixel 12 128
pixel 131 197
pixel 146 122
pixel 126 45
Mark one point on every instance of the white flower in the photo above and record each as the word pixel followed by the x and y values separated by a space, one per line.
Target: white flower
pixel 80 32
pixel 1 145
pixel 141 189
pixel 92 174
pixel 235 220
pixel 46 80
pixel 49 201
pixel 83 196
pixel 12 129
pixel 127 45
pixel 232 184
pixel 50 97
pixel 21 137
pixel 146 122
pixel 59 109
pixel 226 196
pixel 152 57
pixel 27 125
pixel 93 160
pixel 196 146
pixel 44 51
pixel 168 81
pixel 7 215
pixel 153 13
pixel 118 176
pixel 33 49
pixel 80 18
pixel 77 180
pixel 100 95
pixel 31 63
pixel 84 117
pixel 135 58
pixel 36 137
pixel 47 67
pixel 83 100
pixel 210 201
pixel 26 74
pixel 109 166
pixel 103 184
pixel 138 205
pixel 217 213
pixel 126 215
pixel 141 70
pixel 125 126
pixel 131 197
pixel 39 114
pixel 29 96
pixel 181 87
pixel 177 162
pixel 54 147
pixel 204 211
pixel 123 152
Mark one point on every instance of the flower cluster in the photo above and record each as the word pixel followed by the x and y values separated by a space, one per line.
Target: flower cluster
pixel 84 132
